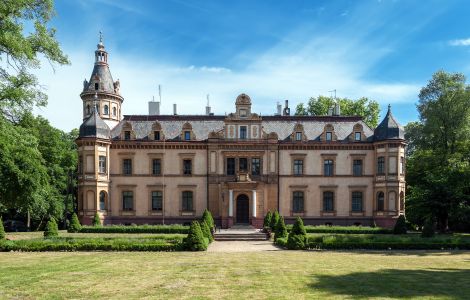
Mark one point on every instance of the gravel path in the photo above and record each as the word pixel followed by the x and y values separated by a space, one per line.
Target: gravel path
pixel 242 246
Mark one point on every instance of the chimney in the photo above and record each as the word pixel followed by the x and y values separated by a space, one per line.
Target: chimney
pixel 337 110
pixel 330 111
pixel 279 109
pixel 208 108
pixel 174 109
pixel 286 108
pixel 154 108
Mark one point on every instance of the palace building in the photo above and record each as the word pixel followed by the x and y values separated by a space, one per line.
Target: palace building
pixel 154 169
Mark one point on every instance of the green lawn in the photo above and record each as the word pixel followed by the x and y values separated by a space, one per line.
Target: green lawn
pixel 255 275
pixel 64 233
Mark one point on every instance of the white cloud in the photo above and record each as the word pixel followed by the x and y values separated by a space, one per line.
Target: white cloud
pixel 460 42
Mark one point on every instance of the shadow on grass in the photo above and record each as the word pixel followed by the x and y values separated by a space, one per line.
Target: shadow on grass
pixel 404 252
pixel 448 283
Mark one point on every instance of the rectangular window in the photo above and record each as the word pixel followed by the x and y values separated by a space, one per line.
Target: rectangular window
pixel 392 165
pixel 298 202
pixel 298 136
pixel 230 166
pixel 156 166
pixel 187 135
pixel 356 201
pixel 328 136
pixel 402 165
pixel 328 167
pixel 243 164
pixel 127 166
pixel 357 167
pixel 80 165
pixel 357 136
pixel 187 204
pixel 127 135
pixel 243 132
pixel 102 164
pixel 127 200
pixel 255 166
pixel 187 167
pixel 157 197
pixel 298 167
pixel 156 135
pixel 328 201
pixel 381 165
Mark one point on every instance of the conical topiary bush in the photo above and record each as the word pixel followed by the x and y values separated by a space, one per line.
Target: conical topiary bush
pixel 52 229
pixel 75 225
pixel 195 240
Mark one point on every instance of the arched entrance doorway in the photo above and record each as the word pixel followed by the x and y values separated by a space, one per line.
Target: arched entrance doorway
pixel 243 209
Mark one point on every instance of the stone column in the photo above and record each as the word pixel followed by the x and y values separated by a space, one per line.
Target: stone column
pixel 254 203
pixel 230 203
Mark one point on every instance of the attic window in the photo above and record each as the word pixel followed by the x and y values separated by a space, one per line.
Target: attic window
pixel 127 135
pixel 97 85
pixel 357 136
pixel 298 136
pixel 187 135
pixel 328 136
pixel 156 135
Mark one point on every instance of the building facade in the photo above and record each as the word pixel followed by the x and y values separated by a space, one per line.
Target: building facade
pixel 154 169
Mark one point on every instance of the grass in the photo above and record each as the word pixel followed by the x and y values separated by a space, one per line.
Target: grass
pixel 256 275
pixel 65 234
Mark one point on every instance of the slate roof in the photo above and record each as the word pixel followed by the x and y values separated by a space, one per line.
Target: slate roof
pixel 94 126
pixel 202 125
pixel 389 129
pixel 106 80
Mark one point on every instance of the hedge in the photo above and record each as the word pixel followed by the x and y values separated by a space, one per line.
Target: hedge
pixel 345 229
pixel 91 244
pixel 136 229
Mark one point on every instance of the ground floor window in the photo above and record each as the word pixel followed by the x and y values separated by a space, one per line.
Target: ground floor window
pixel 328 201
pixel 157 203
pixel 356 202
pixel 298 201
pixel 187 204
pixel 127 200
pixel 380 201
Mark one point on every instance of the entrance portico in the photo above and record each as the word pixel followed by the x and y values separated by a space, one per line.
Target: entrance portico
pixel 242 204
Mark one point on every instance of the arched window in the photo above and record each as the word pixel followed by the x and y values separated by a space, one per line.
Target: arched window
pixel 106 110
pixel 187 204
pixel 102 200
pixel 298 201
pixel 380 201
pixel 114 111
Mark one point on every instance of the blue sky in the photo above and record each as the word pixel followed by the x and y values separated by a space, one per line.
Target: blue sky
pixel 271 50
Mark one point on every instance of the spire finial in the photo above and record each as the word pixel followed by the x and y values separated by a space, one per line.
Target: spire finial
pixel 389 107
pixel 101 37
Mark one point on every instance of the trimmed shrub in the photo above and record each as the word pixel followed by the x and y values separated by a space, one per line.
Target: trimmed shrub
pixel 75 225
pixel 136 229
pixel 205 230
pixel 281 230
pixel 344 229
pixel 400 225
pixel 207 216
pixel 2 230
pixel 96 220
pixel 297 239
pixel 281 242
pixel 274 219
pixel 52 229
pixel 267 219
pixel 428 228
pixel 196 240
pixel 299 227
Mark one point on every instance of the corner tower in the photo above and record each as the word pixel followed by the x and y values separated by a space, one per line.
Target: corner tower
pixel 101 84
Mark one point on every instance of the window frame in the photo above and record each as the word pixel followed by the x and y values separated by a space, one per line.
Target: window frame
pixel 125 196
pixel 328 136
pixel 355 166
pixel 127 135
pixel 244 130
pixel 240 159
pixel 184 201
pixel 380 201
pixel 127 170
pixel 328 168
pixel 102 164
pixel 156 162
pixel 187 162
pixel 381 165
pixel 153 197
pixel 326 208
pixel 298 136
pixel 255 161
pixel 356 133
pixel 187 135
pixel 156 135
pixel 354 198
pixel 298 162
pixel 298 201
pixel 230 169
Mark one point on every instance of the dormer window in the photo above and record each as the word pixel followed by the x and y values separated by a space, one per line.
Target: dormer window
pixel 243 132
pixel 106 110
pixel 127 135
pixel 298 136
pixel 97 86
pixel 328 136
pixel 357 136
pixel 156 135
pixel 187 135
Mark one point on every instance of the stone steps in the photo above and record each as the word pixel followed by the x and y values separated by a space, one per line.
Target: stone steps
pixel 255 236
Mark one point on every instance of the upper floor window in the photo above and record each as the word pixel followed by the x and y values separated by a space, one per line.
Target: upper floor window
pixel 298 136
pixel 356 201
pixel 106 110
pixel 402 165
pixel 157 200
pixel 230 166
pixel 328 167
pixel 357 167
pixel 381 165
pixel 242 164
pixel 156 166
pixel 187 135
pixel 255 166
pixel 328 201
pixel 80 164
pixel 298 201
pixel 328 136
pixel 97 86
pixel 127 200
pixel 88 109
pixel 102 164
pixel 187 167
pixel 243 133
pixel 187 198
pixel 127 166
pixel 357 136
pixel 156 135
pixel 380 201
pixel 127 135
pixel 114 111
pixel 298 167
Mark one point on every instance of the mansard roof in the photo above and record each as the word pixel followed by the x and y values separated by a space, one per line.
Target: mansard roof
pixel 389 129
pixel 203 125
pixel 95 127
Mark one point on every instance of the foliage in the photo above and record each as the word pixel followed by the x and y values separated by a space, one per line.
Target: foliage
pixel 428 228
pixel 2 230
pixel 207 216
pixel 136 229
pixel 196 240
pixel 75 225
pixel 274 220
pixel 96 220
pixel 280 230
pixel 51 229
pixel 267 219
pixel 297 238
pixel 344 229
pixel 298 227
pixel 281 242
pixel 400 225
pixel 205 230
pixel 368 109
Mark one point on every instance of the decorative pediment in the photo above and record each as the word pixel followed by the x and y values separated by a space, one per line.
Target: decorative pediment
pixel 328 134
